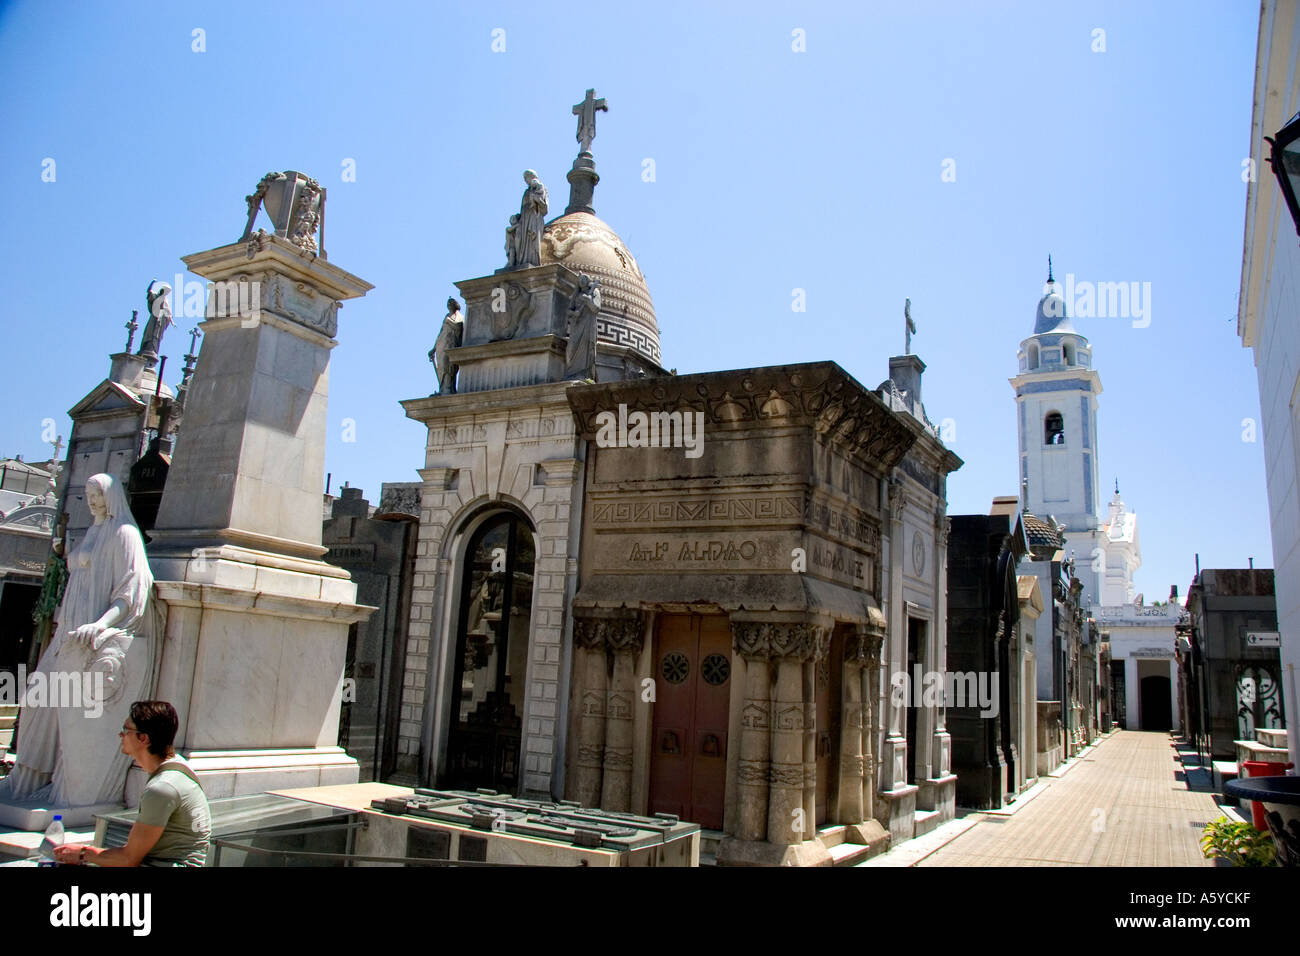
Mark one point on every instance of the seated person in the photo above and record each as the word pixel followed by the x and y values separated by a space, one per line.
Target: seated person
pixel 173 826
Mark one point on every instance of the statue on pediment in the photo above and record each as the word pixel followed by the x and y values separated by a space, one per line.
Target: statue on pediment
pixel 449 337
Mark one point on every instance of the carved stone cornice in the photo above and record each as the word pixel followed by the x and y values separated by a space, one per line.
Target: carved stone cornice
pixel 780 640
pixel 841 412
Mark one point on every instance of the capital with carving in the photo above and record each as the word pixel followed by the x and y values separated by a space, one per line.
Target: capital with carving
pixel 780 640
pixel 623 630
pixel 897 500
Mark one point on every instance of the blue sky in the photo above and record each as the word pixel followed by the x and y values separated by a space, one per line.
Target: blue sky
pixel 775 170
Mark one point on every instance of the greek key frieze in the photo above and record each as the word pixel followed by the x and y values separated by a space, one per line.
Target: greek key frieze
pixel 694 511
pixel 756 715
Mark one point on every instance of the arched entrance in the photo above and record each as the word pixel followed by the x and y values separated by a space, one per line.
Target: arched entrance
pixel 490 660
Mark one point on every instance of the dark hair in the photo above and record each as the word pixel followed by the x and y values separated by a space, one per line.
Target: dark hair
pixel 158 719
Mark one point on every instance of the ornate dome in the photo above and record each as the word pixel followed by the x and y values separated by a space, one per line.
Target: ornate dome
pixel 1051 315
pixel 1043 537
pixel 582 242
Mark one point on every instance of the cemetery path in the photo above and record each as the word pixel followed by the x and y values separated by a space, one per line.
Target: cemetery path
pixel 1126 803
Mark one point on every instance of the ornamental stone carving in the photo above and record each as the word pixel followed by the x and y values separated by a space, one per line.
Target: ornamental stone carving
pixel 897 500
pixel 777 640
pixel 625 632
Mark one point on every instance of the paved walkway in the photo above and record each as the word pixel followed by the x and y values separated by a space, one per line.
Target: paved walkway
pixel 1124 803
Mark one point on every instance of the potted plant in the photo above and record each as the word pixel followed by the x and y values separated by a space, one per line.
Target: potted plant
pixel 1238 843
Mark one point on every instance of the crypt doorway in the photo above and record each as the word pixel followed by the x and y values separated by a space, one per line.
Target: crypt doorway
pixel 1157 711
pixel 494 619
pixel 915 682
pixel 692 674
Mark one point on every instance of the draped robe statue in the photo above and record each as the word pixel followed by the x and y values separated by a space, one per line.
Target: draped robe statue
pixel 580 352
pixel 453 329
pixel 69 752
pixel 524 236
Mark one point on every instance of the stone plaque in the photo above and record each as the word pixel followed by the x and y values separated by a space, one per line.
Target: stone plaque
pixel 423 843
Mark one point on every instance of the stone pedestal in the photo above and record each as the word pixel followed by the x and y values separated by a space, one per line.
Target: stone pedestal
pixel 256 623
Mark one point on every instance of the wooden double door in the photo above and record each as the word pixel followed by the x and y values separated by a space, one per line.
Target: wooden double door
pixel 688 762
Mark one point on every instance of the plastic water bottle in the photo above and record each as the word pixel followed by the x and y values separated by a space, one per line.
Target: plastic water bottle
pixel 53 838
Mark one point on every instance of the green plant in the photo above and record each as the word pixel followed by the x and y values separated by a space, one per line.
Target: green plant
pixel 1238 843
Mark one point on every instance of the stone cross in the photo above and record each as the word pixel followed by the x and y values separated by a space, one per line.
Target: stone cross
pixel 130 329
pixel 586 113
pixel 910 327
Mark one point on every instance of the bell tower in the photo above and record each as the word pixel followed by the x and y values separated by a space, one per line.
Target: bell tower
pixel 1056 406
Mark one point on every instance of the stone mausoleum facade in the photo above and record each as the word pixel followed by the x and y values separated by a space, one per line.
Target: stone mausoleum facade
pixel 661 593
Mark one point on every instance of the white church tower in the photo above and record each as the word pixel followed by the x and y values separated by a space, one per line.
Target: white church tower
pixel 1056 399
pixel 1123 552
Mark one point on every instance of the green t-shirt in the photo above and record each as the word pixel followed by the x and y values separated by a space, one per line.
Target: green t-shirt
pixel 176 803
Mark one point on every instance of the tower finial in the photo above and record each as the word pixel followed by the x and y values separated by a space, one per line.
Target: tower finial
pixel 1116 485
pixel 1049 268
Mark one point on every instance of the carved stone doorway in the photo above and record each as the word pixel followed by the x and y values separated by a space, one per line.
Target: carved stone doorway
pixel 688 760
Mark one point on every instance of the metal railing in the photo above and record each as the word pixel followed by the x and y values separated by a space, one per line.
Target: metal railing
pixel 317 858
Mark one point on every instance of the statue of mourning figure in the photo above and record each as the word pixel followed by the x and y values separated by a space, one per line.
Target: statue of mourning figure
pixel 449 337
pixel 580 352
pixel 68 754
pixel 524 234
pixel 157 298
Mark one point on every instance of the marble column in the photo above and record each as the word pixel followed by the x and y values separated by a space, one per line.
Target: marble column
pixel 775 820
pixel 941 761
pixel 755 731
pixel 589 691
pixel 872 640
pixel 786 817
pixel 853 783
pixel 624 638
pixel 810 742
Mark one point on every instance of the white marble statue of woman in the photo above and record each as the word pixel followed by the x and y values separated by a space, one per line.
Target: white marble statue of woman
pixel 68 749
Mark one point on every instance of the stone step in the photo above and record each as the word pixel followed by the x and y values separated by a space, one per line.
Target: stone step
pixel 8 721
pixel 849 854
pixel 709 840
pixel 6 739
pixel 1271 738
pixel 832 836
pixel 925 821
